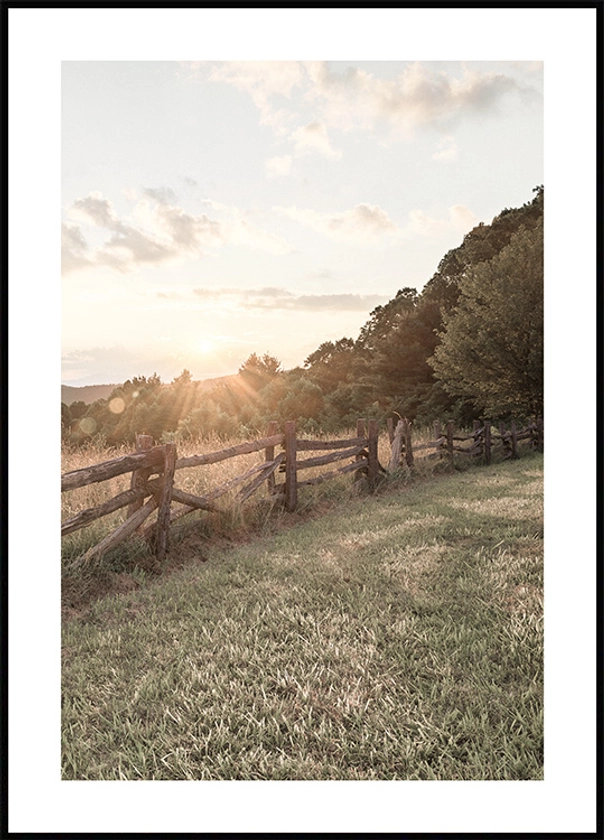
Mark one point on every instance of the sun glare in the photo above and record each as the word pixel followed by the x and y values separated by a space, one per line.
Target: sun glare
pixel 205 345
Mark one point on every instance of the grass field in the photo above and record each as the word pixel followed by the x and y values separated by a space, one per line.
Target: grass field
pixel 397 636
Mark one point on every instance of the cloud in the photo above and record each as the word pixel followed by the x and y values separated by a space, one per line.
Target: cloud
pixel 277 298
pixel 459 218
pixel 268 83
pixel 96 209
pixel 157 232
pixel 446 149
pixel 74 249
pixel 421 95
pixel 313 138
pixel 163 195
pixel 278 167
pixel 363 223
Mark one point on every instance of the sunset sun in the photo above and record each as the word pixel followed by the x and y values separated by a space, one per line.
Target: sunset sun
pixel 205 346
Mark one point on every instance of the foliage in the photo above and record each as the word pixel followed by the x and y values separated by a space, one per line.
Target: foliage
pixel 492 348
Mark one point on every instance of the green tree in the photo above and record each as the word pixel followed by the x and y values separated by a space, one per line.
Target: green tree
pixel 257 370
pixel 491 351
pixel 332 363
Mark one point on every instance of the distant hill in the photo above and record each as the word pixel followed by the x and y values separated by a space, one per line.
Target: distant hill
pixel 90 393
pixel 86 393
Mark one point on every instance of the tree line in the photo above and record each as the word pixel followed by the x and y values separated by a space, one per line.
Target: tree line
pixel 469 345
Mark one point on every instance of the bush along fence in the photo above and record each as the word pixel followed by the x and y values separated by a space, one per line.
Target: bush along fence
pixel 148 493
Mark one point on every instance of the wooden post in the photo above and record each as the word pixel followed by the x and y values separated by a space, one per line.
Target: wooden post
pixel 437 431
pixel 397 448
pixel 487 440
pixel 372 454
pixel 476 426
pixel 390 427
pixel 408 446
pixel 139 477
pixel 361 433
pixel 513 440
pixel 269 455
pixel 539 441
pixel 165 500
pixel 291 477
pixel 450 430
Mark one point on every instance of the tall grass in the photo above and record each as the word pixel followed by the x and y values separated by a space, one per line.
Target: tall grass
pixel 259 515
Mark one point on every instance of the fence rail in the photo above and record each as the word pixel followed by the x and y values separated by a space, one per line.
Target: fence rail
pixel 148 494
pixel 483 441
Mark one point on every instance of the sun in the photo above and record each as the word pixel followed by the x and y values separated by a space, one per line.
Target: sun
pixel 205 346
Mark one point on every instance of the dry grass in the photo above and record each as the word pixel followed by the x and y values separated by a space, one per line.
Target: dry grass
pixel 261 514
pixel 397 636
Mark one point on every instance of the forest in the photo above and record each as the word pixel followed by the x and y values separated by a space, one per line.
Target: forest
pixel 469 345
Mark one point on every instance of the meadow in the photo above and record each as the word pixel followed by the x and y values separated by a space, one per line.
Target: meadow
pixel 389 636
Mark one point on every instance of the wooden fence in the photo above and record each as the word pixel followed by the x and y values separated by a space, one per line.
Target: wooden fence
pixel 482 442
pixel 148 493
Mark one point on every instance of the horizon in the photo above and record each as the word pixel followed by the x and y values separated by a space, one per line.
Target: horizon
pixel 215 209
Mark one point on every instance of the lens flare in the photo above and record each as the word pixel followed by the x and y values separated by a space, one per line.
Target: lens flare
pixel 117 405
pixel 88 425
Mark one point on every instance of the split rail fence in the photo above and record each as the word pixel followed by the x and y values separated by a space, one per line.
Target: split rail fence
pixel 153 469
pixel 483 442
pixel 147 494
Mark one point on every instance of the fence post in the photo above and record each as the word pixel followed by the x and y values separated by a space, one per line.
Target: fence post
pixel 513 440
pixel 165 500
pixel 450 430
pixel 539 440
pixel 408 445
pixel 291 477
pixel 372 454
pixel 487 440
pixel 476 426
pixel 361 433
pixel 139 478
pixel 269 455
pixel 390 427
pixel 397 445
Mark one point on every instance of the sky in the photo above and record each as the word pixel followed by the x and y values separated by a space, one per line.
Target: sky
pixel 213 209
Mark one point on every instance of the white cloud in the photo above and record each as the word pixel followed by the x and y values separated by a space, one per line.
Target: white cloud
pixel 459 218
pixel 353 99
pixel 446 149
pixel 419 96
pixel 74 249
pixel 163 195
pixel 156 232
pixel 279 167
pixel 362 223
pixel 277 298
pixel 263 81
pixel 313 138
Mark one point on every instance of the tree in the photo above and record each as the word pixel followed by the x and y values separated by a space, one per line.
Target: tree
pixel 332 363
pixel 257 370
pixel 492 348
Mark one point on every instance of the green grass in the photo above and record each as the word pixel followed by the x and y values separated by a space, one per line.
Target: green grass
pixel 397 636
